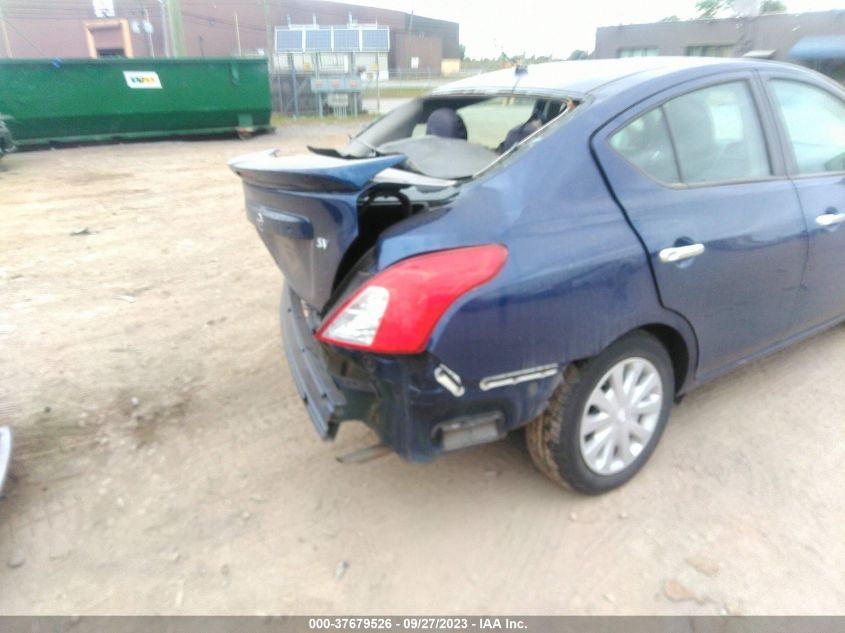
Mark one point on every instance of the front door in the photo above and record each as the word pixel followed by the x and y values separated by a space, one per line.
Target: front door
pixel 812 118
pixel 721 223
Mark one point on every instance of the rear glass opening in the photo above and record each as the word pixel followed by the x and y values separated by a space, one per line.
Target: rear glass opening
pixel 455 137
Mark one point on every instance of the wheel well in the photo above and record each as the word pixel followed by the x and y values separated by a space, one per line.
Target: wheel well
pixel 675 346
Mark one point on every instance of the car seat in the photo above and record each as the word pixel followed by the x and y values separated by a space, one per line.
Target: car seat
pixel 447 123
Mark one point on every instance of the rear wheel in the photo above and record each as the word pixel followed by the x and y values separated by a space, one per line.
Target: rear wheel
pixel 602 424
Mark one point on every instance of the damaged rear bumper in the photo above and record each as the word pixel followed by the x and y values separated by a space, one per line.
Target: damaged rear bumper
pixel 418 407
pixel 318 391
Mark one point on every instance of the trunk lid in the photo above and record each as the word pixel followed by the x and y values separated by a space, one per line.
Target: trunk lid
pixel 305 209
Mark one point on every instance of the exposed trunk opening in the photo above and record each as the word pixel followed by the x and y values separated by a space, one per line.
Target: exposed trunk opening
pixel 378 209
pixel 321 214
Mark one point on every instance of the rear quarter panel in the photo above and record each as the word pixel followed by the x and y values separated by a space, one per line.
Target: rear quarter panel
pixel 576 278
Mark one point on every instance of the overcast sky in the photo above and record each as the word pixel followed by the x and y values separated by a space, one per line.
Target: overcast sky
pixel 541 27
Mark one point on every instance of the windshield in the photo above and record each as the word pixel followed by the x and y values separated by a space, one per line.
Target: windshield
pixel 456 136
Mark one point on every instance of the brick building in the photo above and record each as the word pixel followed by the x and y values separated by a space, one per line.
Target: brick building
pixel 142 28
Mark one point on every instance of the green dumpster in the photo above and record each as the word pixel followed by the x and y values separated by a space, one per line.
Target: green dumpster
pixel 101 99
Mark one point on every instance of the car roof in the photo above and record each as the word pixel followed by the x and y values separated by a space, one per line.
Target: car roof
pixel 589 76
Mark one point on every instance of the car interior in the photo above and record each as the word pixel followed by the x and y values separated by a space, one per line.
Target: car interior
pixel 455 137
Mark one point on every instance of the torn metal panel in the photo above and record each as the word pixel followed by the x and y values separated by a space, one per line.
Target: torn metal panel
pixel 449 380
pixel 516 377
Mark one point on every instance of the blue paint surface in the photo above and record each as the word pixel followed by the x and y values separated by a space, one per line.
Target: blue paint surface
pixel 583 228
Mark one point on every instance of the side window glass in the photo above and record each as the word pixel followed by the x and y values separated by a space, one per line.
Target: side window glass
pixel 717 134
pixel 645 143
pixel 815 125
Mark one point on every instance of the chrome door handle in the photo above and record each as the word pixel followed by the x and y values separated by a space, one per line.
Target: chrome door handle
pixel 830 219
pixel 679 253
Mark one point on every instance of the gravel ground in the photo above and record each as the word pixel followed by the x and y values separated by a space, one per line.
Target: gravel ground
pixel 164 463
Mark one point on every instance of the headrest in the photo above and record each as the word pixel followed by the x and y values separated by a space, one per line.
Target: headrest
pixel 447 123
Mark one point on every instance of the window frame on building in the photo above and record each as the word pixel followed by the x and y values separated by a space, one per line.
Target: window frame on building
pixel 637 51
pixel 709 50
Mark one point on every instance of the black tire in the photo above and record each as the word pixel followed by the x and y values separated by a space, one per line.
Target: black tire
pixel 553 438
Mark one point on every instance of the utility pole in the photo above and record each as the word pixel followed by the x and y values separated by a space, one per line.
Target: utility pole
pixel 238 35
pixel 148 29
pixel 177 35
pixel 378 88
pixel 5 34
pixel 270 46
pixel 165 32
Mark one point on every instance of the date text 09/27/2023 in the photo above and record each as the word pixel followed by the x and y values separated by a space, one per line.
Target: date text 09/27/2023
pixel 416 624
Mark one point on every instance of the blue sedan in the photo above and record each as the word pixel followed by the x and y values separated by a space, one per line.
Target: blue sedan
pixel 566 247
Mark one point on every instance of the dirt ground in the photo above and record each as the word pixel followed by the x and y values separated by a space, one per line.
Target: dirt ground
pixel 164 463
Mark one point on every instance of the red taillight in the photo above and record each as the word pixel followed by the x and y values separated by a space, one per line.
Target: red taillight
pixel 396 311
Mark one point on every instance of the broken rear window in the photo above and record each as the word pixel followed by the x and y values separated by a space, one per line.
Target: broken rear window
pixel 455 136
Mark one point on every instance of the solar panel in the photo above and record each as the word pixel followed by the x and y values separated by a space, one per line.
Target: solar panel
pixel 364 38
pixel 376 40
pixel 318 40
pixel 346 40
pixel 287 41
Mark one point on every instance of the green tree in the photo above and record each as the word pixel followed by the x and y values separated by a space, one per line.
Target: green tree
pixel 578 54
pixel 710 8
pixel 772 6
pixel 462 51
pixel 671 18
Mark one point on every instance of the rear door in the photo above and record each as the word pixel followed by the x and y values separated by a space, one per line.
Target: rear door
pixel 812 118
pixel 695 171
